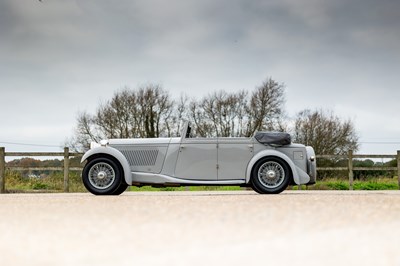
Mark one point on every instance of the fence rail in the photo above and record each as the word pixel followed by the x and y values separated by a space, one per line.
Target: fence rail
pixel 350 167
pixel 66 168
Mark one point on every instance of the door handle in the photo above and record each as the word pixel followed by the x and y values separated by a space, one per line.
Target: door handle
pixel 251 147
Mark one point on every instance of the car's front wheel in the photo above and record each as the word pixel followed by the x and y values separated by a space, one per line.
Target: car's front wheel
pixel 270 175
pixel 103 176
pixel 122 187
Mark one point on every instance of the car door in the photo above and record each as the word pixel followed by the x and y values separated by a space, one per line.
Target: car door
pixel 197 159
pixel 234 155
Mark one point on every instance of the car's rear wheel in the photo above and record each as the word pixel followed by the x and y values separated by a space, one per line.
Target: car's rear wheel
pixel 103 176
pixel 270 175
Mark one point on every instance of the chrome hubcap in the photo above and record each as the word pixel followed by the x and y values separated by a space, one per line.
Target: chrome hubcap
pixel 271 174
pixel 101 175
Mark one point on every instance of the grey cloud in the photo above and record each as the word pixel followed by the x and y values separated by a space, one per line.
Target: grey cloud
pixel 66 55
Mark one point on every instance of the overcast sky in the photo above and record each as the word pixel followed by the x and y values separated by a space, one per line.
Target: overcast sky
pixel 60 57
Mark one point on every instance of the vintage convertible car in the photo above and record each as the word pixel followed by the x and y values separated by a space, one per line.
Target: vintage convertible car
pixel 267 162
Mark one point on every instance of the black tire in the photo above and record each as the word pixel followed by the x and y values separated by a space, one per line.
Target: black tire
pixel 270 175
pixel 122 187
pixel 103 176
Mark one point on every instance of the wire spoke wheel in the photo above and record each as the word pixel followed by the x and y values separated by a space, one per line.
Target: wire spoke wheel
pixel 101 175
pixel 271 174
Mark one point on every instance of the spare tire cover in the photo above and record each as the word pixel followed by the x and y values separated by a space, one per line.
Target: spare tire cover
pixel 273 138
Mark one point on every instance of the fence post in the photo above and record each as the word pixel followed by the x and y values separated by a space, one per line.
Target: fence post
pixel 398 168
pixel 351 177
pixel 66 169
pixel 2 170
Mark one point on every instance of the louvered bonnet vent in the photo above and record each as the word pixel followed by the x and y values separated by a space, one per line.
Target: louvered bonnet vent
pixel 141 157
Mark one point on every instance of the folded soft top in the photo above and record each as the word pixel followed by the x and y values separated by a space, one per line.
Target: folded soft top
pixel 273 138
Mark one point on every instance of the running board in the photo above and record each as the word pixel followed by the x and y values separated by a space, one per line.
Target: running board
pixel 148 178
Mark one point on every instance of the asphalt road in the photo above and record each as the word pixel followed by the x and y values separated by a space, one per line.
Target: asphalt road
pixel 201 228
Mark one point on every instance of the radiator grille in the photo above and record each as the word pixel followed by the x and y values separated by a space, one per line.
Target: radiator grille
pixel 141 157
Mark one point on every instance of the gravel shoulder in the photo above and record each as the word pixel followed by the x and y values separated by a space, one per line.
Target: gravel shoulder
pixel 201 228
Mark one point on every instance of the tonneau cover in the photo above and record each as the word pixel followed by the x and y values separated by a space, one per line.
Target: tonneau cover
pixel 273 138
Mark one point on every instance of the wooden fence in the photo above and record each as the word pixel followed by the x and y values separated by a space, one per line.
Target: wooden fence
pixel 350 168
pixel 66 154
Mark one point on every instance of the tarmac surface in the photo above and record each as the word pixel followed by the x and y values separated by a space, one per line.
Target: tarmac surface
pixel 201 228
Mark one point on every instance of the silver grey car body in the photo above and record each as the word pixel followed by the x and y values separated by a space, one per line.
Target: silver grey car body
pixel 196 161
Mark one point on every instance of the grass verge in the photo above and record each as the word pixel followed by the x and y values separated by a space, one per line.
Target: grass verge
pixel 381 183
pixel 16 183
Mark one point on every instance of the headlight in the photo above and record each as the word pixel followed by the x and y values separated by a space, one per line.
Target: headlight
pixel 104 142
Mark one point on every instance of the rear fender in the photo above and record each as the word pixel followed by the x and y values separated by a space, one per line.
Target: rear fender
pixel 116 154
pixel 299 176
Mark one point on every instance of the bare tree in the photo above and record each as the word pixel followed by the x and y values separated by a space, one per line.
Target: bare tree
pixel 202 125
pixel 325 132
pixel 145 112
pixel 242 111
pixel 179 114
pixel 155 108
pixel 266 107
pixel 115 118
pixel 224 113
pixel 239 114
pixel 85 132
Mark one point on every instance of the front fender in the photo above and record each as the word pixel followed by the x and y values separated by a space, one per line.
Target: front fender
pixel 299 176
pixel 113 153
